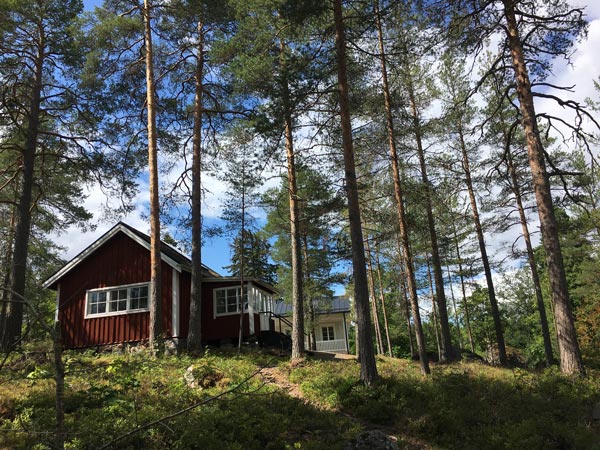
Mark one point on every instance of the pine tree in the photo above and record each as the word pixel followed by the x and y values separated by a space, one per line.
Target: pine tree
pixel 534 33
pixel 368 372
pixel 459 112
pixel 256 252
pixel 274 61
pixel 44 120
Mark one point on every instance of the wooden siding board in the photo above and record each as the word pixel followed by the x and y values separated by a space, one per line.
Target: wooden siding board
pixel 185 288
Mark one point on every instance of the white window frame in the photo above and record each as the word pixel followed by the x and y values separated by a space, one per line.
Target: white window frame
pixel 237 296
pixel 127 310
pixel 328 328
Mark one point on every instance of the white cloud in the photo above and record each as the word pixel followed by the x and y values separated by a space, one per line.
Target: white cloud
pixel 592 8
pixel 74 240
pixel 585 68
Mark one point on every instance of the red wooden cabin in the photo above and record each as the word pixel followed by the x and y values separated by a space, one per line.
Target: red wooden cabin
pixel 102 295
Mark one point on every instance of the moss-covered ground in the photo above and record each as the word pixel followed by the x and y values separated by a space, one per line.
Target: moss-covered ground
pixel 461 406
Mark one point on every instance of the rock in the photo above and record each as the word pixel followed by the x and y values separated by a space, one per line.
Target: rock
pixel 372 440
pixel 170 347
pixel 189 378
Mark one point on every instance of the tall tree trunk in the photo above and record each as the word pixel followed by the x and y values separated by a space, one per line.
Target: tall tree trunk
pixel 398 194
pixel 570 354
pixel 403 276
pixel 59 379
pixel 411 345
pixel 454 308
pixel 312 341
pixel 155 331
pixel 242 262
pixel 434 312
pixel 448 352
pixel 376 323
pixel 368 367
pixel 531 260
pixel 194 338
pixel 383 308
pixel 6 268
pixel 14 315
pixel 482 249
pixel 297 295
pixel 463 289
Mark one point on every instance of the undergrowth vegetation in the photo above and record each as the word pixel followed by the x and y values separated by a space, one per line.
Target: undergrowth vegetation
pixel 465 405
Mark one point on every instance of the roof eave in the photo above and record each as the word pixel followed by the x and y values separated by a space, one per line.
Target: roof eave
pixel 51 282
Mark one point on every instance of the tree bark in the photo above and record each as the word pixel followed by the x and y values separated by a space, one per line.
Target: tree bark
pixel 383 308
pixel 398 194
pixel 194 338
pixel 463 289
pixel 297 277
pixel 6 267
pixel 411 345
pixel 312 338
pixel 570 354
pixel 454 308
pixel 368 368
pixel 155 331
pixel 434 310
pixel 378 337
pixel 403 276
pixel 482 249
pixel 242 262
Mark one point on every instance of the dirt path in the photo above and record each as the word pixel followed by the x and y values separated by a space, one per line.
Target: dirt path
pixel 274 376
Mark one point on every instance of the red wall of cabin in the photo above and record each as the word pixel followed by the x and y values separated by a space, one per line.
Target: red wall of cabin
pixel 213 328
pixel 119 261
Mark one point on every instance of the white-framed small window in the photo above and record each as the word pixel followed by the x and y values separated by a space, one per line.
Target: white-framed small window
pixel 327 333
pixel 228 301
pixel 116 300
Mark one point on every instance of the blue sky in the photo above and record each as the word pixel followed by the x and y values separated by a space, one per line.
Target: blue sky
pixel 89 4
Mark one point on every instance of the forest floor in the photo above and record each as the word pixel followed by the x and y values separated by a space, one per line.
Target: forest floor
pixel 258 400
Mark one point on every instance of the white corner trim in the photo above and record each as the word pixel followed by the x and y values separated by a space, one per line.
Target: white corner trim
pixel 57 302
pixel 176 305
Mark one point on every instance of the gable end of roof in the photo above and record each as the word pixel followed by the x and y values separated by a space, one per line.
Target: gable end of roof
pixel 169 255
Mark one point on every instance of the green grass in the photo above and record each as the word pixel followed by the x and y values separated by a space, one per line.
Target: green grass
pixel 461 406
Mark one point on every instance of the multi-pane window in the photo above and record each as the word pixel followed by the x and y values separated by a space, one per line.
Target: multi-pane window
pixel 227 300
pixel 138 297
pixel 96 302
pixel 328 333
pixel 117 300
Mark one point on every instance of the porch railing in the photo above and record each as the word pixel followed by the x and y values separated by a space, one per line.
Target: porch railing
pixel 337 345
